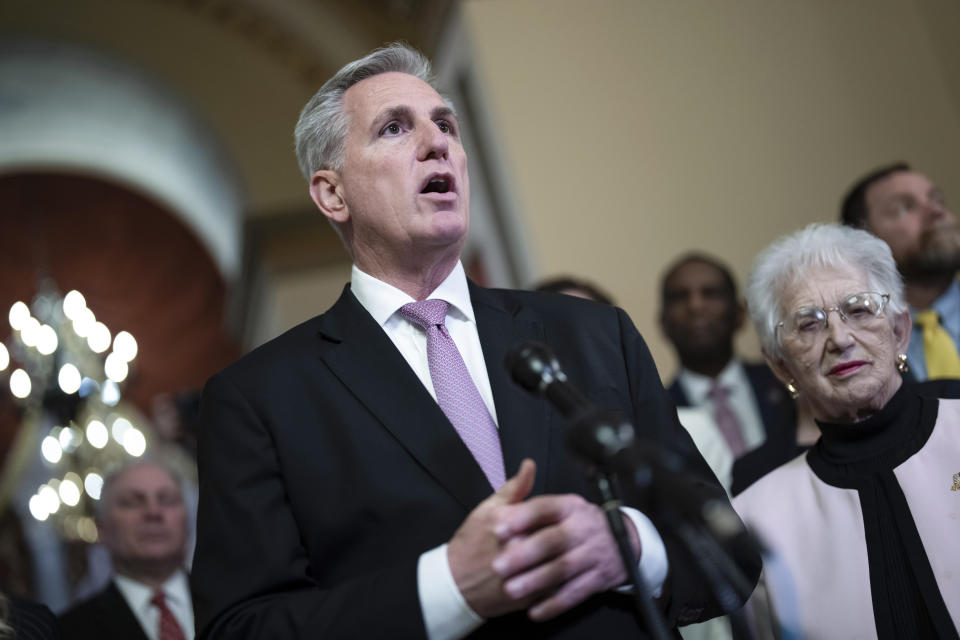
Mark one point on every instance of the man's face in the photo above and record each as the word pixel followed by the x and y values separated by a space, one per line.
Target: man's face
pixel 908 212
pixel 144 522
pixel 404 176
pixel 700 314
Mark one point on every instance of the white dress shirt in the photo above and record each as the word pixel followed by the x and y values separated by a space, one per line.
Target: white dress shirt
pixel 446 614
pixel 740 396
pixel 176 591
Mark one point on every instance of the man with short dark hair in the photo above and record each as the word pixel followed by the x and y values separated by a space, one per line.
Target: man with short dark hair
pixel 142 522
pixel 908 211
pixel 374 472
pixel 700 313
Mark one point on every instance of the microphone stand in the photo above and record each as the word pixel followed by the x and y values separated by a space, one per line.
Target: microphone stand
pixel 643 599
pixel 592 435
pixel 605 440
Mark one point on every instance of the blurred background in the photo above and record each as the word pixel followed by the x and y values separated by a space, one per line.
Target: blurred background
pixel 146 163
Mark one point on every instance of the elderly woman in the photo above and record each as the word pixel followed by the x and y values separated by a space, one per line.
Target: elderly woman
pixel 864 529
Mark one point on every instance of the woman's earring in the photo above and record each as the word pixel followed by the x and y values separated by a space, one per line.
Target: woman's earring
pixel 902 366
pixel 792 390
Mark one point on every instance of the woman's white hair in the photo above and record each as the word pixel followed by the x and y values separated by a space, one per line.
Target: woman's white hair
pixel 791 258
pixel 322 128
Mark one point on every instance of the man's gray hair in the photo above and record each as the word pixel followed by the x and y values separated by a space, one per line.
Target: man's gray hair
pixel 111 477
pixel 322 128
pixel 791 258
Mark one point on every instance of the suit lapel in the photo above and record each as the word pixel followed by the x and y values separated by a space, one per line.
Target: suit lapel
pixel 362 356
pixel 523 419
pixel 677 395
pixel 118 616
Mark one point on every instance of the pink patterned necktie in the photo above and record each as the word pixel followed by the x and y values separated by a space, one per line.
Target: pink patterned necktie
pixel 168 628
pixel 726 419
pixel 457 395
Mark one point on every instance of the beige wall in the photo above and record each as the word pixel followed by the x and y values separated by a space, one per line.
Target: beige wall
pixel 635 130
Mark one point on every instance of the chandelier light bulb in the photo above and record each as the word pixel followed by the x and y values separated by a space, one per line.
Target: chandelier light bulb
pixel 93 484
pixel 87 529
pixel 69 378
pixel 99 338
pixel 116 367
pixel 110 394
pixel 30 332
pixel 134 442
pixel 119 428
pixel 20 385
pixel 37 509
pixel 69 439
pixel 97 434
pixel 46 340
pixel 49 498
pixel 50 448
pixel 19 313
pixel 125 346
pixel 83 323
pixel 69 492
pixel 74 304
pixel 4 357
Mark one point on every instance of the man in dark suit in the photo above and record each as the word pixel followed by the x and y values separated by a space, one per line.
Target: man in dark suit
pixel 700 312
pixel 355 473
pixel 142 523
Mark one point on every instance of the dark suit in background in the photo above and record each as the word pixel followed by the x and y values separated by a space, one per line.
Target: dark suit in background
pixel 779 416
pixel 327 469
pixel 104 616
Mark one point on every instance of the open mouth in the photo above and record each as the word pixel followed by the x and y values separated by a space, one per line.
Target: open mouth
pixel 438 184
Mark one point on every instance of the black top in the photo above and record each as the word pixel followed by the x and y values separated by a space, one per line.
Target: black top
pixel 862 456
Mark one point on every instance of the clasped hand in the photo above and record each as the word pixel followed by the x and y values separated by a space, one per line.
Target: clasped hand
pixel 545 554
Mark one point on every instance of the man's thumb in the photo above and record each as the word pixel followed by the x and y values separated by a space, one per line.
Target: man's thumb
pixel 519 486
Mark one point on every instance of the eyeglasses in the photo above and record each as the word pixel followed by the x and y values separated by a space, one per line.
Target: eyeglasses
pixel 858 311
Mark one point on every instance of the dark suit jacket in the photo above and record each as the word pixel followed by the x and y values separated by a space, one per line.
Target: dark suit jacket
pixel 326 469
pixel 104 616
pixel 779 416
pixel 32 620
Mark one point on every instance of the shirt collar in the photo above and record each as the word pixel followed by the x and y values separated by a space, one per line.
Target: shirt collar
pixel 382 300
pixel 697 386
pixel 948 305
pixel 175 589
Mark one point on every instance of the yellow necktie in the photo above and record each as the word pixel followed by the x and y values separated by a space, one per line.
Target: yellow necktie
pixel 938 348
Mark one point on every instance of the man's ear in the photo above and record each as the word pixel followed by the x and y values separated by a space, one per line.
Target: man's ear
pixel 326 190
pixel 902 324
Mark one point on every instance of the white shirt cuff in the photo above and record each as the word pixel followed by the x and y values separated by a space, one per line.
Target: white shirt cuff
pixel 446 615
pixel 653 553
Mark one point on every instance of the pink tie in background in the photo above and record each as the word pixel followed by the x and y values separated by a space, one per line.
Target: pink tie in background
pixel 168 627
pixel 726 419
pixel 457 395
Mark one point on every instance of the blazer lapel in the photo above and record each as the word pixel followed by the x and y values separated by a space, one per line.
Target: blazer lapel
pixel 365 360
pixel 523 419
pixel 118 616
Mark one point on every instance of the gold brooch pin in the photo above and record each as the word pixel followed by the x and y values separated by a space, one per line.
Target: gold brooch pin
pixel 956 482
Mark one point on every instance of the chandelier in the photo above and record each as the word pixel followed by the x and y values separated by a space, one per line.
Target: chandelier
pixel 66 371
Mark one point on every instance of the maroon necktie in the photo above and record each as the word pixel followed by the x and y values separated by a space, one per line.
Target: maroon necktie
pixel 726 420
pixel 168 627
pixel 457 395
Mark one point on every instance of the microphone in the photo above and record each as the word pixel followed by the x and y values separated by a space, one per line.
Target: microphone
pixel 535 368
pixel 608 441
pixel 598 435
